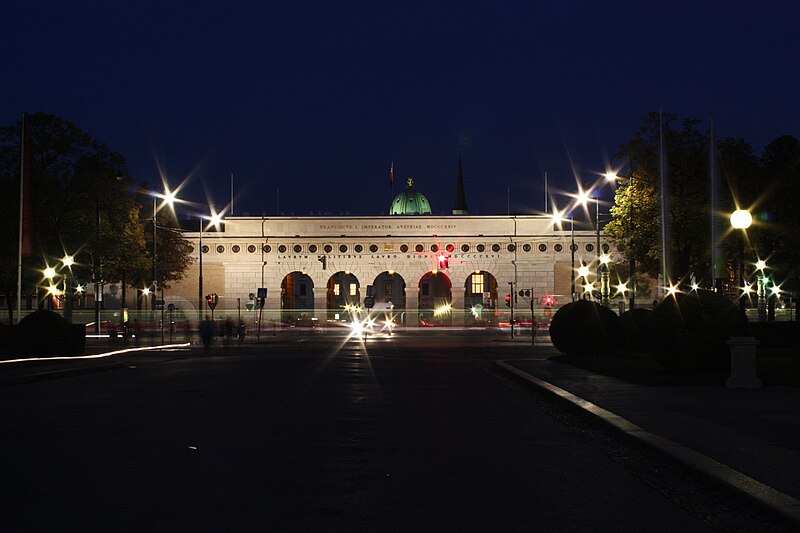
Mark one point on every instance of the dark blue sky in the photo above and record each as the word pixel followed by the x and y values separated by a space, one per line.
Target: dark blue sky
pixel 316 98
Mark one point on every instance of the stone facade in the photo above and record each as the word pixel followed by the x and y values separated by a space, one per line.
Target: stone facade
pixel 252 252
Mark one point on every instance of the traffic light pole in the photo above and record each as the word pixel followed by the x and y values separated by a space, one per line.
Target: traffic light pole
pixel 511 305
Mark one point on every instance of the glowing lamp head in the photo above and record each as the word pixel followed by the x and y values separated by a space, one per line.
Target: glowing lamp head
pixel 49 272
pixel 68 260
pixel 672 289
pixel 589 287
pixel 741 219
pixel 604 259
pixel 622 287
pixel 53 290
pixel 611 176
pixel 583 271
pixel 583 197
pixel 146 291
pixel 761 264
pixel 775 290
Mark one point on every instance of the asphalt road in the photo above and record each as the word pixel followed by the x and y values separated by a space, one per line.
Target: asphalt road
pixel 312 434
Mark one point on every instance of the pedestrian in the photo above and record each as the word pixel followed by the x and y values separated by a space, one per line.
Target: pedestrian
pixel 207 332
pixel 228 331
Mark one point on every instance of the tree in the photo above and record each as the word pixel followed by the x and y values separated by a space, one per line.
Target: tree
pixel 82 205
pixel 778 221
pixel 636 214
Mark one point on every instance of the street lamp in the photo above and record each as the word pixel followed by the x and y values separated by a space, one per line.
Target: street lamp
pixel 762 289
pixel 741 219
pixel 214 220
pixel 613 176
pixel 68 261
pixel 558 219
pixel 169 199
pixel 52 290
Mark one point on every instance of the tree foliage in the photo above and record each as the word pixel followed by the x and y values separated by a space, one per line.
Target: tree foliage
pixel 82 204
pixel 765 185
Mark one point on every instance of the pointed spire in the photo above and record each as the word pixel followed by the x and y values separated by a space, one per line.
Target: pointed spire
pixel 460 208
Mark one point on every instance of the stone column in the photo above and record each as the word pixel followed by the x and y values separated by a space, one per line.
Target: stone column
pixel 457 304
pixel 412 306
pixel 321 305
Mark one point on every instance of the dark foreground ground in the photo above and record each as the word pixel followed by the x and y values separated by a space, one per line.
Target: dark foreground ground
pixel 322 434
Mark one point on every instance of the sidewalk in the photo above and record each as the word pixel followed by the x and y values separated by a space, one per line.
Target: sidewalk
pixel 755 432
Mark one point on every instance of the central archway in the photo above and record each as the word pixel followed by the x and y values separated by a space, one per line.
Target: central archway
pixel 343 290
pixel 435 299
pixel 389 291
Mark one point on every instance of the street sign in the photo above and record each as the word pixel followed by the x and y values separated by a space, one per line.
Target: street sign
pixel 171 307
pixel 369 302
pixel 262 292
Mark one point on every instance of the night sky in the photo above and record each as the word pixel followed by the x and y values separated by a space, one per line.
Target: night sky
pixel 315 99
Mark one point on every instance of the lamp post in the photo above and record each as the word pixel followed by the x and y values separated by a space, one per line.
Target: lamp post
pixel 52 290
pixel 559 219
pixel 614 177
pixel 583 272
pixel 741 219
pixel 761 291
pixel 605 283
pixel 214 220
pixel 168 199
pixel 200 298
pixel 68 261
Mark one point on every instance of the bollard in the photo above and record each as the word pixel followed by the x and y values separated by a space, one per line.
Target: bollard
pixel 743 363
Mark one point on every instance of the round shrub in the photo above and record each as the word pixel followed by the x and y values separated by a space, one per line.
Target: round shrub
pixel 44 333
pixel 688 332
pixel 633 328
pixel 584 327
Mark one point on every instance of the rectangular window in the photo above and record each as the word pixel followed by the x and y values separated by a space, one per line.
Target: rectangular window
pixel 477 284
pixel 424 289
pixel 353 288
pixel 336 289
pixel 388 247
pixel 387 288
pixel 302 289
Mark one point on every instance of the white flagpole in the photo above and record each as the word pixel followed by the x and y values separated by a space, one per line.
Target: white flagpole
pixel 546 193
pixel 21 212
pixel 664 195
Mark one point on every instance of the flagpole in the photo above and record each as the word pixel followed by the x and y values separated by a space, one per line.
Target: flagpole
pixel 21 213
pixel 545 192
pixel 231 193
pixel 664 193
pixel 391 186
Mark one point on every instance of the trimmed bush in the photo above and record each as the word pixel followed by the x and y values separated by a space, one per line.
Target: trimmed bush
pixel 689 332
pixel 44 333
pixel 584 327
pixel 633 329
pixel 777 335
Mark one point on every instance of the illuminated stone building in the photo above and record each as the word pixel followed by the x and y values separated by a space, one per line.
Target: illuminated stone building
pixel 415 262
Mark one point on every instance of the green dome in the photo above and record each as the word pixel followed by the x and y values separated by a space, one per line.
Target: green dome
pixel 410 202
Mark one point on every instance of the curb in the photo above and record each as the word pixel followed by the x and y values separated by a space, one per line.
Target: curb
pixel 778 502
